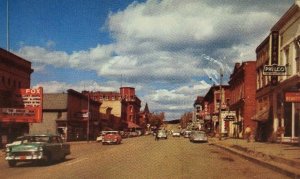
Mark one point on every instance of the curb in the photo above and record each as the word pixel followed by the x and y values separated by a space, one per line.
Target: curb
pixel 270 165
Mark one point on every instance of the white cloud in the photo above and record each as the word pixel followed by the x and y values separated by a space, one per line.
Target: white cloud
pixel 162 43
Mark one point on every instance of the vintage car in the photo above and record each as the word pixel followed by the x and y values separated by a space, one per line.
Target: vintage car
pixel 40 148
pixel 112 137
pixel 100 136
pixel 198 136
pixel 176 133
pixel 162 134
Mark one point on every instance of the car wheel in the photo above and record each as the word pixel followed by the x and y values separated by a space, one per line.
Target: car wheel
pixel 48 159
pixel 12 163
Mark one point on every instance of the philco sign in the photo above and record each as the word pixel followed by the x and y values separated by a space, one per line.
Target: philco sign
pixel 276 70
pixel 28 107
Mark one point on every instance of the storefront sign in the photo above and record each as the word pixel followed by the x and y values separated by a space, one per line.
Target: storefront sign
pixel 276 70
pixel 28 107
pixel 228 115
pixel 292 97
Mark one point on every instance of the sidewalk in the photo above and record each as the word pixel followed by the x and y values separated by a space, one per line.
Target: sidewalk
pixel 283 158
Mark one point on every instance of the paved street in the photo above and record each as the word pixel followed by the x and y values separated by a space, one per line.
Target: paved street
pixel 143 157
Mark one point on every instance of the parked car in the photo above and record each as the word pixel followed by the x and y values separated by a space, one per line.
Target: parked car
pixel 45 148
pixel 187 134
pixel 162 134
pixel 198 136
pixel 100 136
pixel 112 137
pixel 176 134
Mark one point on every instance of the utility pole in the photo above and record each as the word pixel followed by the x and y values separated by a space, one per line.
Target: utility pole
pixel 7 26
pixel 88 119
pixel 220 106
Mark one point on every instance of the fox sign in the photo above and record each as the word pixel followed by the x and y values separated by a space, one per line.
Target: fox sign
pixel 28 107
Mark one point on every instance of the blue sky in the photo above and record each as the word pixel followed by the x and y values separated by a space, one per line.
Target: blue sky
pixel 168 50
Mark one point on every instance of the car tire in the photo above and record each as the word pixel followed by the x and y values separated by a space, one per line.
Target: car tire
pixel 48 159
pixel 12 163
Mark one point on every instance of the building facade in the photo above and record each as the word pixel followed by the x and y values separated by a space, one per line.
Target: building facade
pixel 216 97
pixel 278 93
pixel 125 107
pixel 15 74
pixel 242 98
pixel 67 114
pixel 286 95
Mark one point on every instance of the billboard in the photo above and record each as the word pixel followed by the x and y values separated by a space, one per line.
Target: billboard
pixel 27 106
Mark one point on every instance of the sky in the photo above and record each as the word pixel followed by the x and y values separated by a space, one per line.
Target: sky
pixel 170 51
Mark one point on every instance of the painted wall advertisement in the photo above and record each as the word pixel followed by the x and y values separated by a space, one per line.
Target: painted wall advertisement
pixel 27 106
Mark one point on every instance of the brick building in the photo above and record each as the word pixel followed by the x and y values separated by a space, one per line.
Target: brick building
pixel 211 106
pixel 242 97
pixel 15 74
pixel 124 108
pixel 66 114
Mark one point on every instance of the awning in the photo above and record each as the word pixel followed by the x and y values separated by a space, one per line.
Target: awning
pixel 132 125
pixel 261 116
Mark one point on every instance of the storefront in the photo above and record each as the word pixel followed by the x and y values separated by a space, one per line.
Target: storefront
pixel 287 115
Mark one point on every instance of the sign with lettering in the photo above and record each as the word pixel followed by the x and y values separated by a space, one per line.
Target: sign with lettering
pixel 28 107
pixel 292 97
pixel 228 115
pixel 277 70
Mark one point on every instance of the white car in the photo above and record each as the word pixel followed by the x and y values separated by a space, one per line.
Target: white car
pixel 100 136
pixel 176 134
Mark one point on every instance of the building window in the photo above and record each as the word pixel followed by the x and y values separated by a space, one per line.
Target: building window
pixel 19 84
pixel 3 79
pixel 297 58
pixel 113 98
pixel 8 81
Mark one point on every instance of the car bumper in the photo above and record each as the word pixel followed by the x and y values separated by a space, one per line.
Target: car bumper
pixel 25 157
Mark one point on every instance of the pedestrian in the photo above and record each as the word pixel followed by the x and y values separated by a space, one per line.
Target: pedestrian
pixel 156 135
pixel 248 133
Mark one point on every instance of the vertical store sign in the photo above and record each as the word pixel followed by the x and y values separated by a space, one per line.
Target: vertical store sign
pixel 274 54
pixel 28 107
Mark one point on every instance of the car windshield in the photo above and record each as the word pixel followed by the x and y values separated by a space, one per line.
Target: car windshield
pixel 198 133
pixel 112 132
pixel 32 139
pixel 161 131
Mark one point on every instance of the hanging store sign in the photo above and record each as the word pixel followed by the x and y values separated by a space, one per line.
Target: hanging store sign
pixel 274 70
pixel 228 115
pixel 292 97
pixel 28 107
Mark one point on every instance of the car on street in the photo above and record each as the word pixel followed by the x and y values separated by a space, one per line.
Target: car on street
pixel 198 136
pixel 112 137
pixel 162 134
pixel 36 148
pixel 100 136
pixel 187 133
pixel 176 133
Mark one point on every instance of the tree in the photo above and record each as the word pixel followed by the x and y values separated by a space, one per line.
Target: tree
pixel 156 119
pixel 185 119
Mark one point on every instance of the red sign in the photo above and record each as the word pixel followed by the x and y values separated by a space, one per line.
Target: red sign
pixel 292 97
pixel 28 107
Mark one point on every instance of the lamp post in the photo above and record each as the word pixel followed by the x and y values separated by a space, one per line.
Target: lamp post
pixel 220 106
